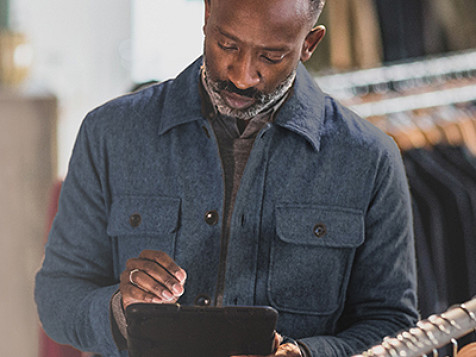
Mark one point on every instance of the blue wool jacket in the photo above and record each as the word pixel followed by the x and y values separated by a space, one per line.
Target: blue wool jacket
pixel 321 228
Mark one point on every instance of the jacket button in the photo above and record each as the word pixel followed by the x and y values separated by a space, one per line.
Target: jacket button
pixel 203 300
pixel 211 217
pixel 320 230
pixel 135 220
pixel 206 132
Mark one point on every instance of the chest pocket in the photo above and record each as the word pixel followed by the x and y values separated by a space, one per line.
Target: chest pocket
pixel 311 257
pixel 137 223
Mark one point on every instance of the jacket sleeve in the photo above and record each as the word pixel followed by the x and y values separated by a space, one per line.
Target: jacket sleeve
pixel 75 284
pixel 381 296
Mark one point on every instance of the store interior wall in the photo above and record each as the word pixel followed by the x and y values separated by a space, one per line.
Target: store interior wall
pixel 79 57
pixel 80 54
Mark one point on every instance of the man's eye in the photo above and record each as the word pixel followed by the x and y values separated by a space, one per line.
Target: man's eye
pixel 272 60
pixel 226 46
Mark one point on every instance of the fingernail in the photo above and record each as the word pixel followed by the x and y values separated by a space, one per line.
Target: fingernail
pixel 181 276
pixel 156 300
pixel 167 295
pixel 177 289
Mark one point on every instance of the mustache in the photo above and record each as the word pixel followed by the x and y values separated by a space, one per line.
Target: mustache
pixel 230 87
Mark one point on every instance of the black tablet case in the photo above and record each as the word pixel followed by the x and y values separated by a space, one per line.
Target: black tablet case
pixel 166 330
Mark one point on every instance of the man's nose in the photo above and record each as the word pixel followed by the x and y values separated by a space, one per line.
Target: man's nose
pixel 243 72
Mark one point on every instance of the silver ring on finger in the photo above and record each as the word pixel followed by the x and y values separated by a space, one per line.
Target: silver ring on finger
pixel 130 276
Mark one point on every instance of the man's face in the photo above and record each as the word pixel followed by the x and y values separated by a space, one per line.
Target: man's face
pixel 252 49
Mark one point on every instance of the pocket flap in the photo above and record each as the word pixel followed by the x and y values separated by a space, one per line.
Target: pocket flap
pixel 325 226
pixel 131 215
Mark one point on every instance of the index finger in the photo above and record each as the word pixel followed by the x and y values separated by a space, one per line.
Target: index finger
pixel 165 261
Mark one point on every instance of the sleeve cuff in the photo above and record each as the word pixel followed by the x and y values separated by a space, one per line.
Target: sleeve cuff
pixel 304 350
pixel 118 321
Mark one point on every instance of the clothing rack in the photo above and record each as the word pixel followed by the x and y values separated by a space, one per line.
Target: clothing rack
pixel 403 87
pixel 346 85
pixel 430 334
pixel 416 101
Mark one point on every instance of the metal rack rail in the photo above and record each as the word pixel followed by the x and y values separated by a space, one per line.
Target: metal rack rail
pixel 342 85
pixel 430 334
pixel 417 101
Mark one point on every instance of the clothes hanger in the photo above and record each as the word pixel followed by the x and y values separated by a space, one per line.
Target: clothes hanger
pixel 466 124
pixel 457 126
pixel 392 128
pixel 405 132
pixel 445 120
pixel 423 119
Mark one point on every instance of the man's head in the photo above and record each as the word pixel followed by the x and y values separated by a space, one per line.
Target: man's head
pixel 252 49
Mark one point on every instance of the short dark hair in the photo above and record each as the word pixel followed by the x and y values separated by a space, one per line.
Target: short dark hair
pixel 316 8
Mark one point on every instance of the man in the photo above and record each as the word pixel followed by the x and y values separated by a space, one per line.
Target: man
pixel 237 183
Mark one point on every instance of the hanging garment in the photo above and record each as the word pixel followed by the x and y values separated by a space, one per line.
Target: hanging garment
pixel 467 177
pixel 401 28
pixel 428 228
pixel 460 157
pixel 449 25
pixel 455 194
pixel 354 34
pixel 456 204
pixel 428 289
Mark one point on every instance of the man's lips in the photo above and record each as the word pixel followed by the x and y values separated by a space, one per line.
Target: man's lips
pixel 237 101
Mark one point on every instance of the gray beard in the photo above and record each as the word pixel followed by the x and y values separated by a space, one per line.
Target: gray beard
pixel 263 103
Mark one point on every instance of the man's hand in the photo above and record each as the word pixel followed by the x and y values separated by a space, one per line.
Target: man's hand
pixel 285 350
pixel 152 277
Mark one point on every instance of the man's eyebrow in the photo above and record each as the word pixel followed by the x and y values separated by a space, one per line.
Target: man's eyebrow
pixel 276 49
pixel 226 34
pixel 283 48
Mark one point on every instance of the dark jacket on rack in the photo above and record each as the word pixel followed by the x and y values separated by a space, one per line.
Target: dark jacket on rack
pixel 454 246
pixel 443 186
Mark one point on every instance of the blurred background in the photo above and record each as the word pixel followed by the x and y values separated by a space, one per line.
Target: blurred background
pixel 406 65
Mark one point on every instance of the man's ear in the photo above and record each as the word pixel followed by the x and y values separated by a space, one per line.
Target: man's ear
pixel 312 40
pixel 207 13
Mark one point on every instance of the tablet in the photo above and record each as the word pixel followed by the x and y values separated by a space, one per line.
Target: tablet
pixel 172 330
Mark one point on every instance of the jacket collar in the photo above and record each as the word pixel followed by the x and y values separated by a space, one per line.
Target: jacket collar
pixel 182 102
pixel 302 113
